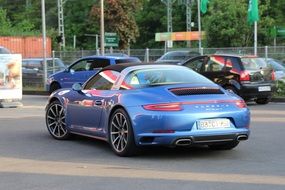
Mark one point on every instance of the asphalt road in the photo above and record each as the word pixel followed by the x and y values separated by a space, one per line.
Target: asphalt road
pixel 30 159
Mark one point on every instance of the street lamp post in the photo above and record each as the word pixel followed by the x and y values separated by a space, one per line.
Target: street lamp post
pixel 102 40
pixel 44 39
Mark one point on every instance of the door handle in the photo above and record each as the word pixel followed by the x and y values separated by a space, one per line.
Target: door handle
pixel 98 102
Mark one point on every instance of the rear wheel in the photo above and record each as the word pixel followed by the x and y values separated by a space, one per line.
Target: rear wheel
pixel 55 121
pixel 121 136
pixel 224 146
pixel 53 87
pixel 262 100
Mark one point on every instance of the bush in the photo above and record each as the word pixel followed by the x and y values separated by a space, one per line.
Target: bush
pixel 280 88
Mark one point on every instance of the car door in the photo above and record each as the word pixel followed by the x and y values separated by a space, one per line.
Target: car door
pixel 196 63
pixel 214 69
pixel 87 109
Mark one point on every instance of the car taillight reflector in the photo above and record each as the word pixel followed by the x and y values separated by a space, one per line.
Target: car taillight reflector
pixel 273 76
pixel 244 76
pixel 164 131
pixel 241 104
pixel 163 107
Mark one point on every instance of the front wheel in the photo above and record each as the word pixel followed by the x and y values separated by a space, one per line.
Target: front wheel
pixel 55 121
pixel 224 146
pixel 121 136
pixel 262 100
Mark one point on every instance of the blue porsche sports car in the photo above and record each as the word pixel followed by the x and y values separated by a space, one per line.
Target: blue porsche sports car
pixel 133 105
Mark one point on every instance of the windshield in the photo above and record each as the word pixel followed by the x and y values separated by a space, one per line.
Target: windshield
pixel 162 76
pixel 4 50
pixel 179 55
pixel 276 65
pixel 253 63
pixel 175 56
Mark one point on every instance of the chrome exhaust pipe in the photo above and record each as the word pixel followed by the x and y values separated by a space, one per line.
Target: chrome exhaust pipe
pixel 183 142
pixel 242 137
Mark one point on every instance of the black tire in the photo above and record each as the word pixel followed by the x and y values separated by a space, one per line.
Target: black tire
pixel 231 89
pixel 224 146
pixel 55 121
pixel 121 135
pixel 262 100
pixel 53 87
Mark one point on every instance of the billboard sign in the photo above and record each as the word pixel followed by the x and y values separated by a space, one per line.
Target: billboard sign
pixel 179 36
pixel 280 32
pixel 277 31
pixel 10 77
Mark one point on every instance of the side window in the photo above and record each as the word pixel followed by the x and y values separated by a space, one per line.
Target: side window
pixel 195 65
pixel 103 80
pixel 215 64
pixel 99 63
pixel 232 64
pixel 35 64
pixel 50 63
pixel 25 64
pixel 82 65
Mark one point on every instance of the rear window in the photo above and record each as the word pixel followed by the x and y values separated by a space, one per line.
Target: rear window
pixel 253 63
pixel 55 62
pixel 144 78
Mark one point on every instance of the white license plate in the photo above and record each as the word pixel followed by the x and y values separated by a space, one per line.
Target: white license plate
pixel 213 124
pixel 264 88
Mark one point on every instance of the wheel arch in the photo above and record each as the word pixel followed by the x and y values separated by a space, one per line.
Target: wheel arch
pixel 116 107
pixel 52 84
pixel 53 99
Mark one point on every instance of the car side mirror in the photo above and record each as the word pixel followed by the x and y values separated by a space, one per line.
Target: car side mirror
pixel 77 87
pixel 71 71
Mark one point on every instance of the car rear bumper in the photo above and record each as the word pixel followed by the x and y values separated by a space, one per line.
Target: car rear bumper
pixel 190 138
pixel 252 91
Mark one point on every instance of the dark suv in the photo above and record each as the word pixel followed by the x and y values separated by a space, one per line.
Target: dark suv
pixel 248 76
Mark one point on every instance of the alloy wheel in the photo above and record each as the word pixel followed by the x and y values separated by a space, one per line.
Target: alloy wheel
pixel 55 120
pixel 119 132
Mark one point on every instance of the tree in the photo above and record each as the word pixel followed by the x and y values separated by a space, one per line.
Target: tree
pixel 152 18
pixel 78 21
pixel 119 18
pixel 226 24
pixel 4 23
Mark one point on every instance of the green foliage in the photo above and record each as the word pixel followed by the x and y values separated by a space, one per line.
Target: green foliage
pixel 137 21
pixel 78 22
pixel 4 23
pixel 280 88
pixel 226 25
pixel 24 27
pixel 119 18
pixel 152 18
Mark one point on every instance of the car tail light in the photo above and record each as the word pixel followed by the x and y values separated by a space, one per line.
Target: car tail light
pixel 244 76
pixel 273 76
pixel 163 107
pixel 240 103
